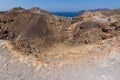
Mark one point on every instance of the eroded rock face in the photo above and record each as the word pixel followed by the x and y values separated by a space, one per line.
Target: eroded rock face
pixel 34 27
pixel 34 30
pixel 92 27
pixel 29 24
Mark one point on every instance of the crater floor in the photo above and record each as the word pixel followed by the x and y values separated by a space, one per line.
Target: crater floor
pixel 106 68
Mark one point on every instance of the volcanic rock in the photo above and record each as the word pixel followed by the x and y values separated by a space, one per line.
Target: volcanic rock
pixel 35 30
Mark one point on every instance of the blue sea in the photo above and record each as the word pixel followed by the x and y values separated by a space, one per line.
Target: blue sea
pixel 66 14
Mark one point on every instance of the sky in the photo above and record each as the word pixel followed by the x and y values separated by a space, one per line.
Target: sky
pixel 60 5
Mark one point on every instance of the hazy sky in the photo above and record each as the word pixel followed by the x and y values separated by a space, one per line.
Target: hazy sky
pixel 60 5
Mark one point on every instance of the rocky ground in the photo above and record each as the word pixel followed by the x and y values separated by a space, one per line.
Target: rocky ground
pixel 102 62
pixel 37 45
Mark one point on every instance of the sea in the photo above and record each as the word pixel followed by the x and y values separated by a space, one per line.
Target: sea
pixel 66 14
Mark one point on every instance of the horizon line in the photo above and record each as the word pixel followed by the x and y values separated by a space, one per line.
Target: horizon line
pixel 58 9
